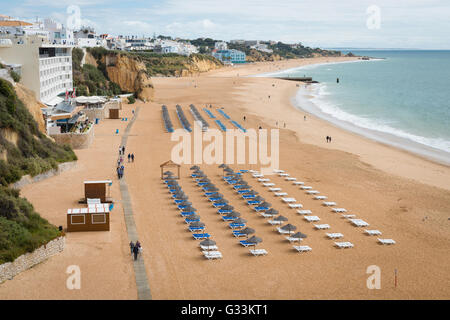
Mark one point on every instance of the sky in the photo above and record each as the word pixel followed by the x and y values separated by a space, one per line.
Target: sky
pixel 409 24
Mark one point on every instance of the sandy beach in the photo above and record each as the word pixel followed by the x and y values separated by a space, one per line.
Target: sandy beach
pixel 403 195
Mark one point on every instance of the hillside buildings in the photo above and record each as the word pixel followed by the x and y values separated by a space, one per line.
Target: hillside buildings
pixel 229 56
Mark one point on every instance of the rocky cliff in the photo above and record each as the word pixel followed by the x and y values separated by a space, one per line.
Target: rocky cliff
pixel 130 74
pixel 197 64
pixel 34 107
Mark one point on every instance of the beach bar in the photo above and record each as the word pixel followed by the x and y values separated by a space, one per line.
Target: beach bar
pixel 94 218
pixel 97 190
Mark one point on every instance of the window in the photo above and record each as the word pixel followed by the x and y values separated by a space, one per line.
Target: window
pixel 78 219
pixel 98 218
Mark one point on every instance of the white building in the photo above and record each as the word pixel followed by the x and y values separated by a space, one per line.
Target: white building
pixel 261 47
pixel 87 38
pixel 46 68
pixel 222 45
pixel 58 33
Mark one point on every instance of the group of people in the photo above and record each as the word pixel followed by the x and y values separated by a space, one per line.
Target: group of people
pixel 328 139
pixel 135 248
pixel 131 157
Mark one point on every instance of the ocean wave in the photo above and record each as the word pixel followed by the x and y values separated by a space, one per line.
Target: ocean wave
pixel 317 95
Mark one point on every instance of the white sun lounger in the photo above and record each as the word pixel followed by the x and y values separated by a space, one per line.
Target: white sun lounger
pixel 348 216
pixel 373 232
pixel 312 192
pixel 359 222
pixel 329 203
pixel 253 171
pixel 298 183
pixel 290 179
pixel 303 212
pixel 386 241
pixel 210 255
pixel 306 187
pixel 274 189
pixel 343 245
pixel 283 174
pixel 302 248
pixel 322 226
pixel 339 210
pixel 282 231
pixel 280 194
pixel 278 171
pixel 295 205
pixel 258 252
pixel 268 184
pixel 311 218
pixel 288 200
pixel 274 223
pixel 257 175
pixel 263 180
pixel 336 235
pixel 291 239
pixel 264 215
pixel 208 247
pixel 320 197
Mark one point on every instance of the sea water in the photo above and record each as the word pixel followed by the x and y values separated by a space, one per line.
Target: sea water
pixel 402 99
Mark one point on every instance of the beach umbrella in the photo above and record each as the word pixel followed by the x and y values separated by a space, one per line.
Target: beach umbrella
pixel 168 173
pixel 208 243
pixel 189 209
pixel 193 216
pixel 289 227
pixel 259 198
pixel 195 168
pixel 240 220
pixel 234 214
pixel 223 165
pixel 265 204
pixel 281 218
pixel 254 240
pixel 272 212
pixel 218 195
pixel 227 207
pixel 252 192
pixel 213 189
pixel 181 196
pixel 204 180
pixel 229 170
pixel 185 202
pixel 247 231
pixel 197 224
pixel 299 235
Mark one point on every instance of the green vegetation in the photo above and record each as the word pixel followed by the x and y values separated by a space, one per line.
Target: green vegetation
pixel 90 80
pixel 131 99
pixel 21 228
pixel 14 75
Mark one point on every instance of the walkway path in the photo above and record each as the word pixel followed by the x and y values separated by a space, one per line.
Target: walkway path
pixel 139 266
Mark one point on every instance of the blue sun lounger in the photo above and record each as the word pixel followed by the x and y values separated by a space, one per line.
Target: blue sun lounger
pixel 206 188
pixel 214 199
pixel 187 220
pixel 177 201
pixel 187 213
pixel 202 183
pixel 207 194
pixel 245 243
pixel 194 229
pixel 257 209
pixel 243 191
pixel 209 113
pixel 219 204
pixel 236 225
pixel 248 196
pixel 194 175
pixel 223 211
pixel 243 171
pixel 232 181
pixel 225 218
pixel 239 186
pixel 183 206
pixel 201 236
pixel 253 202
pixel 238 233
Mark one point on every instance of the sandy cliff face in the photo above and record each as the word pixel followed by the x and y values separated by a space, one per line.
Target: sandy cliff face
pixel 130 74
pixel 27 96
pixel 197 66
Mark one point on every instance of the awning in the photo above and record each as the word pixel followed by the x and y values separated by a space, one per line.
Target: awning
pixel 54 101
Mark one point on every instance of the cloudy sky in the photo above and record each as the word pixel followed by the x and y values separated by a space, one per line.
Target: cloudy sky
pixel 319 23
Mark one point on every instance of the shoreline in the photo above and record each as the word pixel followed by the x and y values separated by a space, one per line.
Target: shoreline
pixel 421 150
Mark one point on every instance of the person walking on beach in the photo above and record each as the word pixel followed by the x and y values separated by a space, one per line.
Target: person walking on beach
pixel 285 124
pixel 120 150
pixel 131 246
pixel 123 150
pixel 129 156
pixel 244 118
pixel 132 157
pixel 118 172
pixel 328 138
pixel 135 251
pixel 304 118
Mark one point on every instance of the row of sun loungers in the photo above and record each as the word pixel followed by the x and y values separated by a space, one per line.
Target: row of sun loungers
pixel 199 118
pixel 208 246
pixel 221 125
pixel 183 120
pixel 223 114
pixel 209 113
pixel 237 125
pixel 166 118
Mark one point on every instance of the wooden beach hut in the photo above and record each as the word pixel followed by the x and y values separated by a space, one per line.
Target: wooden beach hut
pixel 170 164
pixel 114 113
pixel 97 190
pixel 93 218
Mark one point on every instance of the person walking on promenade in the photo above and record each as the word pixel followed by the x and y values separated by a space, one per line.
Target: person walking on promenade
pixel 131 246
pixel 132 157
pixel 135 252
pixel 118 172
pixel 138 244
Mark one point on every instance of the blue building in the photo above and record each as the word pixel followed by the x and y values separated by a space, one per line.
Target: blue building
pixel 230 55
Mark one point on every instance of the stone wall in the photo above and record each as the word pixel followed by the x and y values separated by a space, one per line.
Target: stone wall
pixel 10 269
pixel 29 179
pixel 75 140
